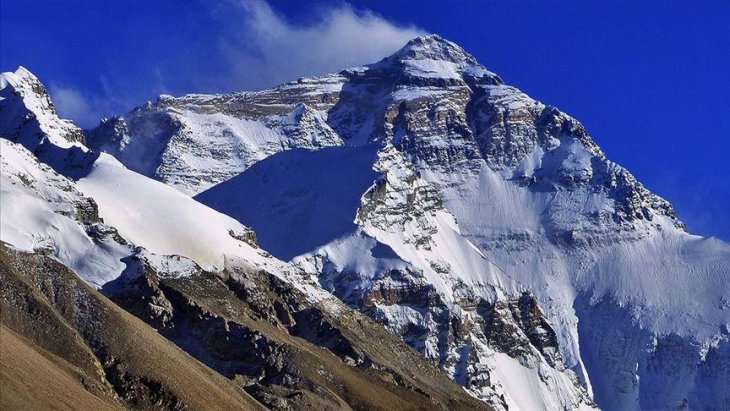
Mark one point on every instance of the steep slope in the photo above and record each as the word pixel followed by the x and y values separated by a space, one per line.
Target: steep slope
pixel 44 211
pixel 197 276
pixel 288 353
pixel 111 358
pixel 576 229
pixel 539 208
pixel 29 115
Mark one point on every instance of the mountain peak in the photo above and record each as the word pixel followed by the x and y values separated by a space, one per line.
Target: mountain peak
pixel 432 56
pixel 27 114
pixel 25 84
pixel 433 47
pixel 14 78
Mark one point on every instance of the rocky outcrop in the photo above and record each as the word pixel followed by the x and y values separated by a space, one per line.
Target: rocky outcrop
pixel 258 330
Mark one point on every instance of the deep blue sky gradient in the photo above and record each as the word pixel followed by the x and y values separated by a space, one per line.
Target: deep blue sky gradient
pixel 649 79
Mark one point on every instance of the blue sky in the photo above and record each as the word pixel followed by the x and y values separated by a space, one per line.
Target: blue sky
pixel 649 79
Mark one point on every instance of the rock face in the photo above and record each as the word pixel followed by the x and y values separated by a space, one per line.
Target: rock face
pixel 483 193
pixel 257 329
pixel 29 116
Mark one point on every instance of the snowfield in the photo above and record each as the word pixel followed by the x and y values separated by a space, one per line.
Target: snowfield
pixel 39 214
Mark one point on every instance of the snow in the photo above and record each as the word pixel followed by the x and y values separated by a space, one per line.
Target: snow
pixel 670 282
pixel 478 71
pixel 537 216
pixel 19 99
pixel 433 68
pixel 640 307
pixel 172 266
pixel 286 195
pixel 447 249
pixel 412 93
pixel 401 316
pixel 510 98
pixel 324 84
pixel 434 57
pixel 205 148
pixel 158 217
pixel 299 199
pixel 354 253
pixel 167 222
pixel 654 269
pixel 531 389
pixel 39 206
pixel 36 207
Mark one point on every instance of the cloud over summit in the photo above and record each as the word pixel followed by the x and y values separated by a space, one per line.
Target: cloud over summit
pixel 266 49
pixel 224 47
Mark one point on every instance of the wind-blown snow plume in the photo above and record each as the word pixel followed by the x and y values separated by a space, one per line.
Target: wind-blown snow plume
pixel 266 49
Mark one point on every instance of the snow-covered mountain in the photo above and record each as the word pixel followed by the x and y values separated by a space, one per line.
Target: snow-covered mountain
pixel 483 228
pixel 220 305
pixel 479 193
pixel 197 141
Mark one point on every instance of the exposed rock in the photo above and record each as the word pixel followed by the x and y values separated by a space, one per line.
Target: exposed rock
pixel 243 325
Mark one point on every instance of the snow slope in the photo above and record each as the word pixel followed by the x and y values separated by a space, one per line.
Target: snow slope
pixel 43 211
pixel 167 222
pixel 91 212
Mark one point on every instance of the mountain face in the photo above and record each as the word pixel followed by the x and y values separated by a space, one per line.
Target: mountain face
pixel 495 237
pixel 416 200
pixel 202 140
pixel 88 245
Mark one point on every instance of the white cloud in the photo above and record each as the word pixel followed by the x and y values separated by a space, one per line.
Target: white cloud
pixel 253 47
pixel 71 103
pixel 266 49
pixel 111 98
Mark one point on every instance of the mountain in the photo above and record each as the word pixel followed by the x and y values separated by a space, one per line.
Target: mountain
pixel 88 245
pixel 374 238
pixel 486 229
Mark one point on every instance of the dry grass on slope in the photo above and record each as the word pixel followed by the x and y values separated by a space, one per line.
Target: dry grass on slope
pixel 92 344
pixel 31 377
